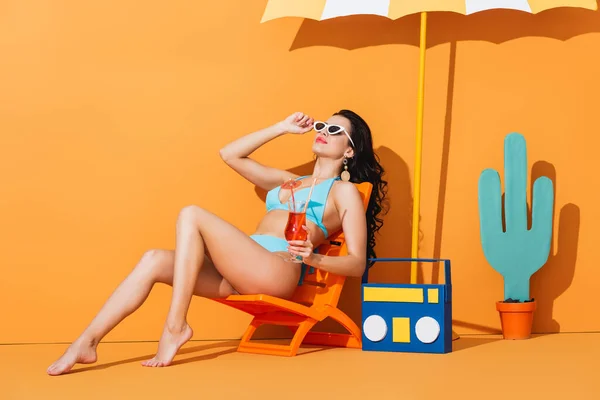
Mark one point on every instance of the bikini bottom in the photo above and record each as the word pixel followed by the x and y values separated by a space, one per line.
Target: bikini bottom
pixel 271 243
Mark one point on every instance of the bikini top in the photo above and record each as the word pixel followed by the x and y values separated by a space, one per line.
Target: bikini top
pixel 316 206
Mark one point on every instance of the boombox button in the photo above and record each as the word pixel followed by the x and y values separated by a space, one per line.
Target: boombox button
pixel 375 328
pixel 427 330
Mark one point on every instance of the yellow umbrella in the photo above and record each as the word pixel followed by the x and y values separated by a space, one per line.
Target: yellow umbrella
pixel 393 9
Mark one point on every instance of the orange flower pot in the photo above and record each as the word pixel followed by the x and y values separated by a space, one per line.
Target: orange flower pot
pixel 516 319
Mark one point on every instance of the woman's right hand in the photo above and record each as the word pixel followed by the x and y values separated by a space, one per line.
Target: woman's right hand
pixel 297 123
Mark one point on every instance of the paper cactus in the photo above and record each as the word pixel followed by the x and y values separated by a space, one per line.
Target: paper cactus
pixel 518 252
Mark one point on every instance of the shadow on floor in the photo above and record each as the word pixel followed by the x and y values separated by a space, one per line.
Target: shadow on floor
pixel 230 347
pixel 466 342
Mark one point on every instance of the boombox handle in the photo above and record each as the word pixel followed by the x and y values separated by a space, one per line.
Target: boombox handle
pixel 447 274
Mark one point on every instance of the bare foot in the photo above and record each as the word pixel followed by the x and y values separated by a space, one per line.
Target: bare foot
pixel 80 351
pixel 170 343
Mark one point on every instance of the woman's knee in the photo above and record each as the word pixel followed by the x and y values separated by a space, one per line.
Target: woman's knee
pixel 191 211
pixel 189 215
pixel 158 264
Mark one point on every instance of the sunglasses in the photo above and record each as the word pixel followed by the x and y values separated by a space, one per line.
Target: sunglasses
pixel 327 130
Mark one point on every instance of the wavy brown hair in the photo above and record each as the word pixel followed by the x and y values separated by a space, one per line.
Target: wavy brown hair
pixel 364 166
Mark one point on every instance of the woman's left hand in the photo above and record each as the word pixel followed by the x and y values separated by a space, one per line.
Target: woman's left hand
pixel 302 248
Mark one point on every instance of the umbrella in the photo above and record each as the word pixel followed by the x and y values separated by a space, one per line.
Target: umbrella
pixel 320 10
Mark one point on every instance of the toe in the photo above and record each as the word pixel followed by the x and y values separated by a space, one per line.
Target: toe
pixel 54 370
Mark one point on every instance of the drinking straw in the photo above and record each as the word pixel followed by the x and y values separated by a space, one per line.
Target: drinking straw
pixel 310 194
pixel 293 200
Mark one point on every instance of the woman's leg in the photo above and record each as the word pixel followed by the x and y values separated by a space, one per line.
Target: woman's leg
pixel 155 266
pixel 242 262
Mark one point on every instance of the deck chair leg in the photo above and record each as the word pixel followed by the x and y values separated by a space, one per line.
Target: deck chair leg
pixel 353 339
pixel 250 331
pixel 300 335
pixel 248 346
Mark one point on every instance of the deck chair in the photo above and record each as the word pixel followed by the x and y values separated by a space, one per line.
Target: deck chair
pixel 315 299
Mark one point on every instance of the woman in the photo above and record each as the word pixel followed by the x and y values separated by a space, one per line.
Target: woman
pixel 203 264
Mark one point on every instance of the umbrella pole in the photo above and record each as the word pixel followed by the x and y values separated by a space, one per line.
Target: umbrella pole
pixel 418 156
pixel 419 150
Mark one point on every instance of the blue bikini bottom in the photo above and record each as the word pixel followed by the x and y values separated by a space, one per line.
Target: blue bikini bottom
pixel 271 243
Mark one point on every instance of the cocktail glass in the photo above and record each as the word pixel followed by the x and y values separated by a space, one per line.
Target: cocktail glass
pixel 296 220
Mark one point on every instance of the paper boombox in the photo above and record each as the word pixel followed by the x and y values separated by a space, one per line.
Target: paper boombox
pixel 407 317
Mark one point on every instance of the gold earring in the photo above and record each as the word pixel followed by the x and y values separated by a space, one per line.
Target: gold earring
pixel 345 175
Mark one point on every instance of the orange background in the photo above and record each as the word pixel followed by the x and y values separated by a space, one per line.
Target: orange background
pixel 112 115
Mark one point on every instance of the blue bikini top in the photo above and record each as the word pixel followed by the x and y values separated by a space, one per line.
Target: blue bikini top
pixel 316 206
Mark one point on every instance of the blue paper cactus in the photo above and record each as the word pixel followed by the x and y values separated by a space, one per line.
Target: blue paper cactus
pixel 518 252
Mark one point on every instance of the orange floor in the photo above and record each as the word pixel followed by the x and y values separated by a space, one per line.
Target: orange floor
pixel 564 366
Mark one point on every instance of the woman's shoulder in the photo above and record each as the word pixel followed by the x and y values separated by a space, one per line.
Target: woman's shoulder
pixel 344 190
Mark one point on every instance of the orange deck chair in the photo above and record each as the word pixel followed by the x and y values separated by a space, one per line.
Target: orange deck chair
pixel 315 299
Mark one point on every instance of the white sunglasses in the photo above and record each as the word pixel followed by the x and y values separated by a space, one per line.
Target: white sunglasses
pixel 327 129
